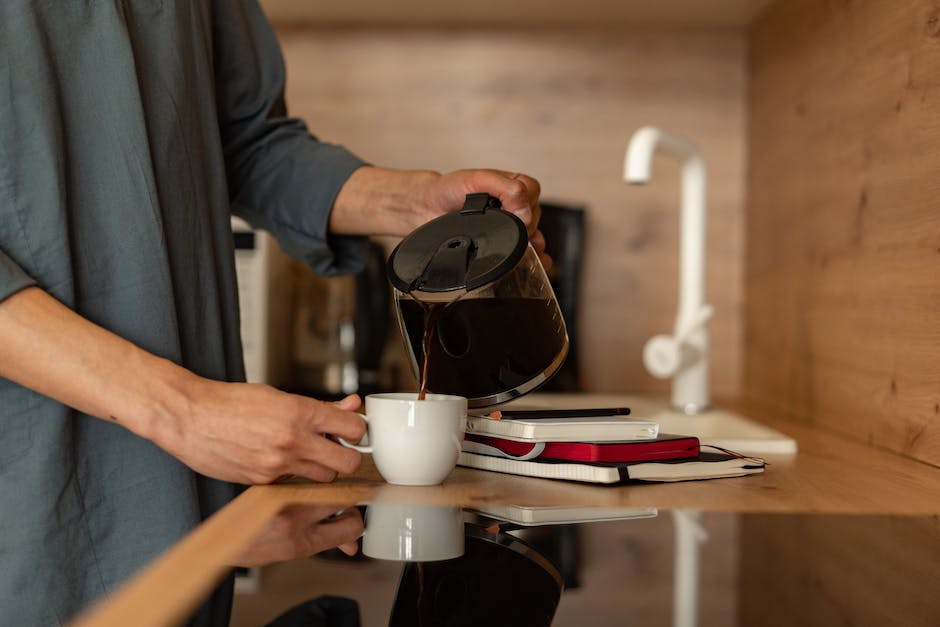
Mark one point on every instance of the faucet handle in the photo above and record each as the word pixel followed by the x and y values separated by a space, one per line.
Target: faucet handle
pixel 701 316
pixel 662 356
pixel 665 355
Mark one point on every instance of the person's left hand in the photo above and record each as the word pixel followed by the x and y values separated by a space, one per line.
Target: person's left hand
pixel 301 530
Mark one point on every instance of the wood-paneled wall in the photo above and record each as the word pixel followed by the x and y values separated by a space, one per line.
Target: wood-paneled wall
pixel 518 13
pixel 842 291
pixel 842 325
pixel 560 105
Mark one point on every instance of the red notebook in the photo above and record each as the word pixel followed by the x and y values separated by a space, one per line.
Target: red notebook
pixel 661 448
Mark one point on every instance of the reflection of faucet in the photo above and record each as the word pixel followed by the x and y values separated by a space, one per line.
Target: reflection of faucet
pixel 684 354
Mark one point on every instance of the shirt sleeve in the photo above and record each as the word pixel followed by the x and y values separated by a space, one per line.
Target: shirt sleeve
pixel 12 277
pixel 280 177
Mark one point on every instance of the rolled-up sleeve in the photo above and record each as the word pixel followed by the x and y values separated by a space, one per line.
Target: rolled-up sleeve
pixel 12 277
pixel 280 177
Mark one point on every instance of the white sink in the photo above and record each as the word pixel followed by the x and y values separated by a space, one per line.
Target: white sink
pixel 728 430
pixel 718 427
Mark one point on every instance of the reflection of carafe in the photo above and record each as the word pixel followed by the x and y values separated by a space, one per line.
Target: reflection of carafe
pixel 499 580
pixel 474 284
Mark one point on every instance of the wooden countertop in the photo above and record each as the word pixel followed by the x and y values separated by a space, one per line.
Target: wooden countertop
pixel 829 475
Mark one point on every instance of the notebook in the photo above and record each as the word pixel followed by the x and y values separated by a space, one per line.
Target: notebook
pixel 707 465
pixel 532 516
pixel 665 446
pixel 613 428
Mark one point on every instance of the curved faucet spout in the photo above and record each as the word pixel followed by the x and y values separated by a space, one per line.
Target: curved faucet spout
pixel 687 348
pixel 638 163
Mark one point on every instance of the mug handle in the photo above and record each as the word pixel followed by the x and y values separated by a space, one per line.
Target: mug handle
pixel 361 449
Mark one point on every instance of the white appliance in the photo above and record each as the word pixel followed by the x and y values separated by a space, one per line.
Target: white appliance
pixel 264 298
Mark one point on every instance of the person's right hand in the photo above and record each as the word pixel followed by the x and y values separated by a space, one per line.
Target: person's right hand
pixel 254 434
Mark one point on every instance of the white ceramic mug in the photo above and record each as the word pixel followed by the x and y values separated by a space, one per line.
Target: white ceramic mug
pixel 413 533
pixel 414 442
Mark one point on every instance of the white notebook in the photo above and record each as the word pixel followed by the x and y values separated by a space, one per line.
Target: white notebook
pixel 574 429
pixel 706 466
pixel 533 516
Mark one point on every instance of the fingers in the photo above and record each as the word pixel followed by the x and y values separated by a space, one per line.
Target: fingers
pixel 255 434
pixel 314 471
pixel 547 262
pixel 327 454
pixel 334 419
pixel 350 403
pixel 296 435
pixel 518 193
pixel 340 531
pixel 317 455
pixel 538 241
pixel 301 530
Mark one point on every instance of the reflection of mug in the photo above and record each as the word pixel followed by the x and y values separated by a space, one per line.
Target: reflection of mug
pixel 414 442
pixel 413 533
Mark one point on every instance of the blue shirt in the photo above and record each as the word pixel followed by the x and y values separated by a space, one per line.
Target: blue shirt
pixel 130 131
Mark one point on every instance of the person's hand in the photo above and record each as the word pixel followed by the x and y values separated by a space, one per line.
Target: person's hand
pixel 302 530
pixel 518 193
pixel 382 201
pixel 254 434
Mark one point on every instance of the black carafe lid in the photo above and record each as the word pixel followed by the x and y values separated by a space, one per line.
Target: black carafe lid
pixel 459 251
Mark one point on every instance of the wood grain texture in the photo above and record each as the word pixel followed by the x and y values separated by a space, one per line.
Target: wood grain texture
pixel 843 292
pixel 839 570
pixel 560 106
pixel 521 13
pixel 830 475
pixel 842 319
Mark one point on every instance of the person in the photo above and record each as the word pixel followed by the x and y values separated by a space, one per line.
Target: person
pixel 129 133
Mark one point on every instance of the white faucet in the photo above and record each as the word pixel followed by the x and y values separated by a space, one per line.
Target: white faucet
pixel 684 354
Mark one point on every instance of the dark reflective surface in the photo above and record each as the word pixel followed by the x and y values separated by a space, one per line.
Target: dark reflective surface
pixel 499 579
pixel 434 565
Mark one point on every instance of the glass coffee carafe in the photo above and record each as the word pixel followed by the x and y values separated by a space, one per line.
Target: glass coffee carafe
pixel 475 306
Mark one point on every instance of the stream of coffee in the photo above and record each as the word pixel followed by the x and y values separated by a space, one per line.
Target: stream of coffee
pixel 431 314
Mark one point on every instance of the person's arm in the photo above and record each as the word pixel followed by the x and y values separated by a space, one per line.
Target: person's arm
pixel 314 196
pixel 247 433
pixel 383 201
pixel 281 178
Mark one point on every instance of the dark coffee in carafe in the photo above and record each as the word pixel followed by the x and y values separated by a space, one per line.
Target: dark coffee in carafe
pixel 475 306
pixel 474 351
